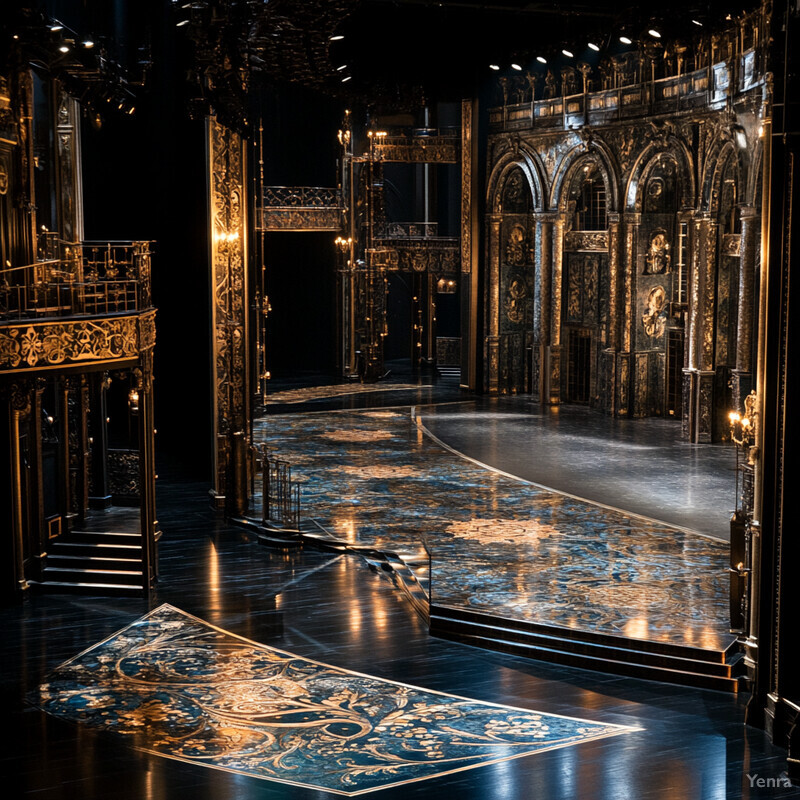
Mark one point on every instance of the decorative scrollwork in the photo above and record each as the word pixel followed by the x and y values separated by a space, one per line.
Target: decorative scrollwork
pixel 77 341
pixel 586 240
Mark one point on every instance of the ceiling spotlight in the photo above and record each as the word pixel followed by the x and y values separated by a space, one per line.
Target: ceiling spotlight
pixel 625 40
pixel 339 69
pixel 346 78
pixel 516 67
pixel 654 33
pixel 63 49
pixel 541 59
pixel 56 28
pixel 495 67
pixel 593 46
pixel 697 22
pixel 182 23
pixel 336 38
pixel 87 43
pixel 567 53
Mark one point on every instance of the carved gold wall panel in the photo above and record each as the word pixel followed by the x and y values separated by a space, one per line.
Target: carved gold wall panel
pixel 226 172
pixel 64 343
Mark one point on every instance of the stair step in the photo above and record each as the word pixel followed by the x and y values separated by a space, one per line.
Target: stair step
pixel 79 561
pixel 94 549
pixel 88 587
pixel 594 650
pixel 78 575
pixel 572 659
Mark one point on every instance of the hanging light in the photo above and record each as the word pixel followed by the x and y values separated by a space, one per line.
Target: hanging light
pixel 654 32
pixel 625 39
pixel 516 67
pixel 337 38
pixel 567 53
pixel 495 67
pixel 541 59
pixel 593 46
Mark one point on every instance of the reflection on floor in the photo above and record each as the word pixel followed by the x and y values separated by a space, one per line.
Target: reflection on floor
pixel 185 689
pixel 499 545
pixel 310 393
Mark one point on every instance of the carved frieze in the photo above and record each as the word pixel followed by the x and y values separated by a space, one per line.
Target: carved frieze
pixel 437 256
pixel 654 319
pixel 419 149
pixel 382 257
pixel 78 341
pixel 586 240
pixel 312 218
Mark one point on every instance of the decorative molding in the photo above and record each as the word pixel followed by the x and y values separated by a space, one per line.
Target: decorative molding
pixel 123 473
pixel 64 343
pixel 466 186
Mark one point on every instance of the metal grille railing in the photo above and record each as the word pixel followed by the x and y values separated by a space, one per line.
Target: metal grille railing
pixel 78 279
pixel 280 495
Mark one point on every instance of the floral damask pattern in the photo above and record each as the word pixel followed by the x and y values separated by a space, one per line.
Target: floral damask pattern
pixel 182 688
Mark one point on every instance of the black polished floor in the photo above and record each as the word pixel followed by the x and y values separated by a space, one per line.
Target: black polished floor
pixel 334 609
pixel 639 465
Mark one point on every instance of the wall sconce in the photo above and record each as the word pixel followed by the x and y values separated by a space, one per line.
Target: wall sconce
pixel 133 401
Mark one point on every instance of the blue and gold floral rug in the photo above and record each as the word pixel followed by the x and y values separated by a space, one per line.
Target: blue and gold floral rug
pixel 182 688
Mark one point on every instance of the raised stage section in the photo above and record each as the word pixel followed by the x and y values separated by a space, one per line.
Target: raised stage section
pixel 507 564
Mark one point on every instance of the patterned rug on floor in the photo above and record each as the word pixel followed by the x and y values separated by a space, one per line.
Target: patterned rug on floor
pixel 182 688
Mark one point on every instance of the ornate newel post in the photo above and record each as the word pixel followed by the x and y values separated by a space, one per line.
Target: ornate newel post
pixel 609 372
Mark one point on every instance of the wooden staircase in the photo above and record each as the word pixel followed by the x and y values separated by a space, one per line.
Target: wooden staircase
pixel 91 562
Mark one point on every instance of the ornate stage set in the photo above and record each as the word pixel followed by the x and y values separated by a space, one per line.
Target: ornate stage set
pixel 614 234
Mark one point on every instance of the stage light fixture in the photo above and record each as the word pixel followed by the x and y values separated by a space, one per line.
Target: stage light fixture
pixel 654 33
pixel 567 53
pixel 541 59
pixel 63 49
pixel 516 67
pixel 625 39
pixel 339 69
pixel 56 28
pixel 347 78
pixel 697 22
pixel 593 46
pixel 336 38
pixel 87 43
pixel 182 23
pixel 495 67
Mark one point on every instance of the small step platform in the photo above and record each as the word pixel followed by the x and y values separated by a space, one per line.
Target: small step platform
pixel 94 562
pixel 650 660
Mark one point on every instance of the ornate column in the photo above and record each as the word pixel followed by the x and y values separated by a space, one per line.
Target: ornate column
pixel 614 302
pixel 626 314
pixel 743 372
pixel 542 304
pixel 37 536
pixel 19 407
pixel 698 379
pixel 492 342
pixel 470 287
pixel 556 274
pixel 229 324
pixel 64 489
pixel 69 194
pixel 143 383
pixel 99 496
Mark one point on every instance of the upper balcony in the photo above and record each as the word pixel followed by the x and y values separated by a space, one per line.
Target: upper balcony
pixel 80 302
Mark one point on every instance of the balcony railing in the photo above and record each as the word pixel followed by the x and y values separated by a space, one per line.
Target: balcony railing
pixel 78 279
pixel 407 230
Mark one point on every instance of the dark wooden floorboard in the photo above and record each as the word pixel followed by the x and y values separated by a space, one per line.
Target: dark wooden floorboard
pixel 335 609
